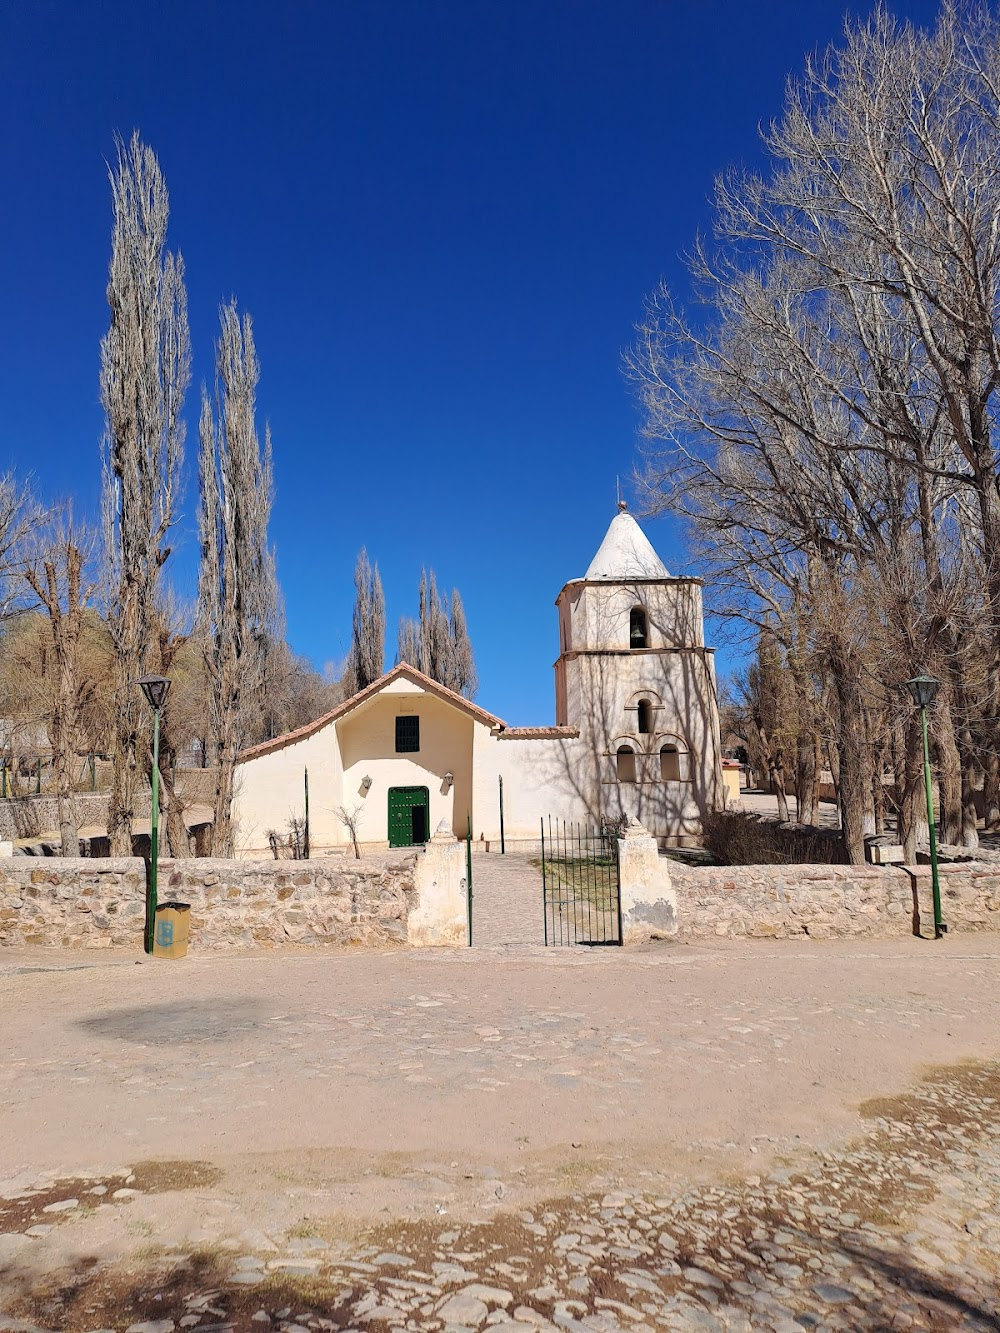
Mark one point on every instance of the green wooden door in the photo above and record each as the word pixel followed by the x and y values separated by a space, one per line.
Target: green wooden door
pixel 409 816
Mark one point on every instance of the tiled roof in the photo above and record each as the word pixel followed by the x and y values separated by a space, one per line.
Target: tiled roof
pixel 403 670
pixel 538 733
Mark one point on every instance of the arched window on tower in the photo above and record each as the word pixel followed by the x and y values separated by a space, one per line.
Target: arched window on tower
pixel 625 763
pixel 645 724
pixel 673 764
pixel 638 629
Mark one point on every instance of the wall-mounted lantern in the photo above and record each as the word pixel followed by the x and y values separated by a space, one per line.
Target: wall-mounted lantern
pixel 366 784
pixel 449 781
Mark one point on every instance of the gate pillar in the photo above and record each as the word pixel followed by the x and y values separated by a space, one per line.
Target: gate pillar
pixel 649 903
pixel 441 912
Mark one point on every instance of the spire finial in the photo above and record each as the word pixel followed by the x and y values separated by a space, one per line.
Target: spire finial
pixel 622 506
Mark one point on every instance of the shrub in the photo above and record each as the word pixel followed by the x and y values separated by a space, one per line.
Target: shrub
pixel 736 839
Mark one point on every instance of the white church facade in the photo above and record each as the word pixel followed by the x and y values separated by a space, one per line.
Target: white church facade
pixel 636 732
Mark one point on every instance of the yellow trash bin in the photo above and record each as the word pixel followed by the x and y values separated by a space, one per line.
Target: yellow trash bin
pixel 170 934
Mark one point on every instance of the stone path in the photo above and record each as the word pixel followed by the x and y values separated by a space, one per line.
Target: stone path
pixel 684 1137
pixel 899 1231
pixel 507 900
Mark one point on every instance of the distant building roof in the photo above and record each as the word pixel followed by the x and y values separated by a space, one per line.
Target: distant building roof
pixel 625 554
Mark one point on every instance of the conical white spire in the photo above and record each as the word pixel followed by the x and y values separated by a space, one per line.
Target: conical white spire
pixel 626 554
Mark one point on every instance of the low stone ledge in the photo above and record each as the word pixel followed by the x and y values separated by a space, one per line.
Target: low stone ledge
pixel 81 902
pixel 823 902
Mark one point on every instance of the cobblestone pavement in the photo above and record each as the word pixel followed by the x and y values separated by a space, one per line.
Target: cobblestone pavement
pixel 901 1231
pixel 507 900
pixel 733 1137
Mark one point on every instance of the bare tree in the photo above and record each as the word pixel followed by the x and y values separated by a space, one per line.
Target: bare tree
pixel 179 654
pixel 57 573
pixel 408 642
pixel 366 660
pixel 145 371
pixel 295 693
pixel 464 679
pixel 19 519
pixel 237 587
pixel 437 642
pixel 350 817
pixel 829 428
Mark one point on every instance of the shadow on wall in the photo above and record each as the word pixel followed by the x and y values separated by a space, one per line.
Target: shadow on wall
pixel 648 723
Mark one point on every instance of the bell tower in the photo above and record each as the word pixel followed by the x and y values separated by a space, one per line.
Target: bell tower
pixel 634 676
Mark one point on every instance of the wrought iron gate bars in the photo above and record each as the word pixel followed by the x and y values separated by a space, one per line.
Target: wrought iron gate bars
pixel 581 898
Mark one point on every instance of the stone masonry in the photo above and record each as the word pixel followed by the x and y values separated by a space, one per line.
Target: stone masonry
pixel 827 901
pixel 97 903
pixel 29 816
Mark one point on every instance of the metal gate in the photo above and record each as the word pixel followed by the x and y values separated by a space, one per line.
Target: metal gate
pixel 581 889
pixel 468 875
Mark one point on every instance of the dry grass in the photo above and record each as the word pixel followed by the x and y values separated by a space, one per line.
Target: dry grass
pixel 748 840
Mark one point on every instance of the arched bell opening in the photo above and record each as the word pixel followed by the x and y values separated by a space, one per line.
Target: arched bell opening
pixel 638 628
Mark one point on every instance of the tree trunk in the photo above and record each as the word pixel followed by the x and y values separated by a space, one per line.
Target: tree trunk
pixel 949 769
pixel 856 815
pixel 970 816
pixel 778 786
pixel 878 787
pixel 178 839
pixel 775 771
pixel 69 837
pixel 968 758
pixel 131 635
pixel 833 759
pixel 991 790
pixel 806 778
pixel 913 828
pixel 222 829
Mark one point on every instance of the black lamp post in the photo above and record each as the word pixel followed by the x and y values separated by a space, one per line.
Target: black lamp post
pixel 155 688
pixel 923 690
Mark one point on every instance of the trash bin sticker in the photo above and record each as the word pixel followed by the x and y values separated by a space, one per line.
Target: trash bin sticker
pixel 164 934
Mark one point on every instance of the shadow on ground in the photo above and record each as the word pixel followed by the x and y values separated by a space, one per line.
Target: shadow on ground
pixel 180 1022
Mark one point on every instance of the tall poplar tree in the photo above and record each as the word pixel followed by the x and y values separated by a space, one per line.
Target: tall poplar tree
pixel 437 642
pixel 366 661
pixel 145 372
pixel 237 587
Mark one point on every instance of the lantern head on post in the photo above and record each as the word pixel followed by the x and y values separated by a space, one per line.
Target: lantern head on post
pixel 923 690
pixel 156 689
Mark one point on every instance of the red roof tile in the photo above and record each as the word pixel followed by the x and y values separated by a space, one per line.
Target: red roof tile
pixel 404 669
pixel 538 733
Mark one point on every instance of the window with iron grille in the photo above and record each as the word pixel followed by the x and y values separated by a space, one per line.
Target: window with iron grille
pixel 407 735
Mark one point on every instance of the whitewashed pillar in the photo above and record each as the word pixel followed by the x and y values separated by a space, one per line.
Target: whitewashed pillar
pixel 440 916
pixel 649 903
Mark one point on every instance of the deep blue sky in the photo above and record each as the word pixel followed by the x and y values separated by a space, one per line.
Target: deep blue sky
pixel 443 216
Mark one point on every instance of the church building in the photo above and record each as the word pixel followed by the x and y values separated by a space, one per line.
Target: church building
pixel 636 732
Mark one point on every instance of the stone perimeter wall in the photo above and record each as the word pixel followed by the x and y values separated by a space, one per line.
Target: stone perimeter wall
pixel 824 902
pixel 29 816
pixel 96 903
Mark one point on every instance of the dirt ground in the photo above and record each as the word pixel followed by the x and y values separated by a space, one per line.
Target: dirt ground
pixel 687 1057
pixel 255 1094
